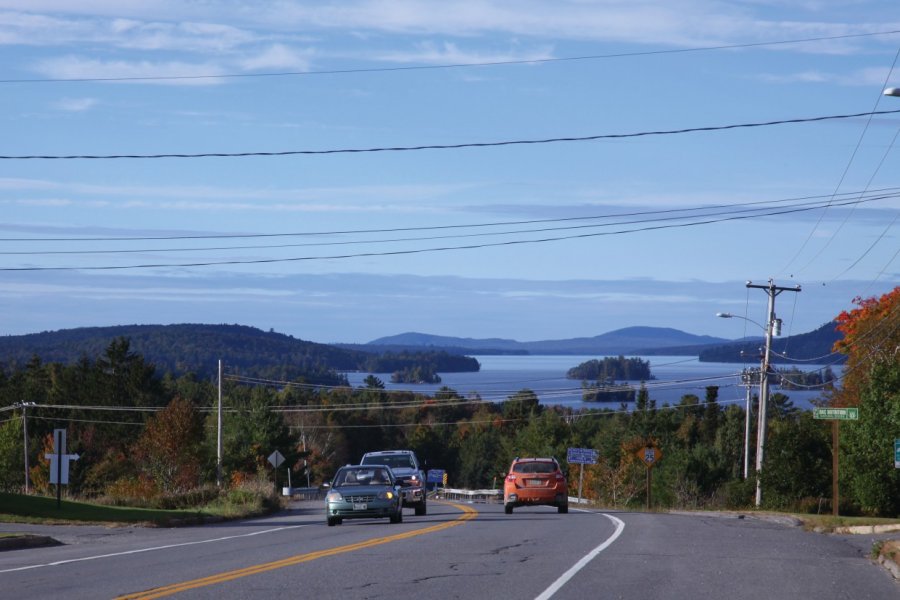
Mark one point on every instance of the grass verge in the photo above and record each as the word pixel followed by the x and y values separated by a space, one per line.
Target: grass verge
pixel 19 508
pixel 830 523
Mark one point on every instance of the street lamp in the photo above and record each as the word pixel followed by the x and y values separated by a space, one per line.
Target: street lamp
pixel 748 377
pixel 727 315
pixel 763 393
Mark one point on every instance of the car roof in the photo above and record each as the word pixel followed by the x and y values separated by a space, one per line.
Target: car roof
pixel 533 459
pixel 388 452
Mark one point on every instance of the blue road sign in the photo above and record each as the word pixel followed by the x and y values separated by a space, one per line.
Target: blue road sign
pixel 585 456
pixel 435 476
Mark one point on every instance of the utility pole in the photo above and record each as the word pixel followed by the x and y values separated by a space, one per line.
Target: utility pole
pixel 748 380
pixel 24 406
pixel 219 432
pixel 772 323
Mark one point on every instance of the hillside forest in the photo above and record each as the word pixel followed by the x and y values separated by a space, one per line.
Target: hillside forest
pixel 144 434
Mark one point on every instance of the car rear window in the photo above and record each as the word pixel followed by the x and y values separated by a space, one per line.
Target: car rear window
pixel 362 477
pixel 391 461
pixel 534 467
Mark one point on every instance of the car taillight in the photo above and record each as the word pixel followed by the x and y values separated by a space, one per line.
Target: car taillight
pixel 511 478
pixel 559 477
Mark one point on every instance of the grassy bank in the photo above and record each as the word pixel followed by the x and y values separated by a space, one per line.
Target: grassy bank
pixel 19 508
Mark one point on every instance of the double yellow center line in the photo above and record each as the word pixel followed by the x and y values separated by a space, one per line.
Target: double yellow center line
pixel 469 513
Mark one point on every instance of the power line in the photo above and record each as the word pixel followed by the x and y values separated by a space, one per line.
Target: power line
pixel 883 192
pixel 495 63
pixel 648 228
pixel 843 176
pixel 703 210
pixel 384 241
pixel 587 138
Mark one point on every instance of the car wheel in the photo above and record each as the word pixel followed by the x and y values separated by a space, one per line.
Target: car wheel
pixel 396 518
pixel 563 508
pixel 507 508
pixel 332 521
pixel 421 509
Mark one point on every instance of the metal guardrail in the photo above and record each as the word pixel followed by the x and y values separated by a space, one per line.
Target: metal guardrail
pixel 483 496
pixel 303 493
pixel 473 496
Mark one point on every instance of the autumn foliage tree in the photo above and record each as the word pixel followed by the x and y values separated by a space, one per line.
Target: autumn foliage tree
pixel 872 383
pixel 169 450
pixel 871 336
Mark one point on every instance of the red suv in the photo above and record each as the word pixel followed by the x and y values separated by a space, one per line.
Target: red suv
pixel 535 481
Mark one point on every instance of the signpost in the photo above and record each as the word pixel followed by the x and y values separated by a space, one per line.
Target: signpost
pixel 275 459
pixel 836 415
pixel 59 463
pixel 651 455
pixel 582 456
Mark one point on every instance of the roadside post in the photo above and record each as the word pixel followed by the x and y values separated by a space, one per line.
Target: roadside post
pixel 581 456
pixel 59 463
pixel 275 459
pixel 651 455
pixel 836 415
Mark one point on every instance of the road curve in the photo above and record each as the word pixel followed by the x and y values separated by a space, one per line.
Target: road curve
pixel 456 551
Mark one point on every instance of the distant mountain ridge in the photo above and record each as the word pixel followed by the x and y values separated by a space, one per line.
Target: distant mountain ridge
pixel 197 348
pixel 812 346
pixel 629 340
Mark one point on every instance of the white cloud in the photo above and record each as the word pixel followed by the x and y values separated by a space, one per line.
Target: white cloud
pixel 76 67
pixel 450 53
pixel 277 56
pixel 867 77
pixel 75 104
pixel 190 26
pixel 33 29
pixel 398 193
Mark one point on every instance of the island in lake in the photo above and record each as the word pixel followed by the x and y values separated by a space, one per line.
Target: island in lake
pixel 599 377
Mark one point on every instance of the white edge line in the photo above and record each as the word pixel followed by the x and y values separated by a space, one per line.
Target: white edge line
pixel 140 550
pixel 565 577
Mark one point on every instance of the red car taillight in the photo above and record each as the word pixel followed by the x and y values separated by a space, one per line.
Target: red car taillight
pixel 511 478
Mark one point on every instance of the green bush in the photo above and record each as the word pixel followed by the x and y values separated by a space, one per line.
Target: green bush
pixel 739 493
pixel 190 499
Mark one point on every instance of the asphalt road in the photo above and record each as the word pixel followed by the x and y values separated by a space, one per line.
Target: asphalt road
pixel 456 551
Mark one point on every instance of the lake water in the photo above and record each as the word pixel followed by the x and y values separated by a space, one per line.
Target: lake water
pixel 675 376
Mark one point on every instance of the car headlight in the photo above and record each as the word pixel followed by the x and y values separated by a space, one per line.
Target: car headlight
pixel 386 495
pixel 333 497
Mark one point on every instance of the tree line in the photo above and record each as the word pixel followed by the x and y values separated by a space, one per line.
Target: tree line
pixel 143 434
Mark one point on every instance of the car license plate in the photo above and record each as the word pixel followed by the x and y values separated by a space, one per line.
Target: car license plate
pixel 360 506
pixel 535 482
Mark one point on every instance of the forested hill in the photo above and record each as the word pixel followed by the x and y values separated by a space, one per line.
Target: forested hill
pixel 193 348
pixel 806 346
pixel 187 348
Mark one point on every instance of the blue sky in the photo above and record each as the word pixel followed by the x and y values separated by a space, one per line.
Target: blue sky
pixel 526 241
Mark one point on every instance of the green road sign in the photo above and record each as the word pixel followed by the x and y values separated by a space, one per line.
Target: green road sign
pixel 837 414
